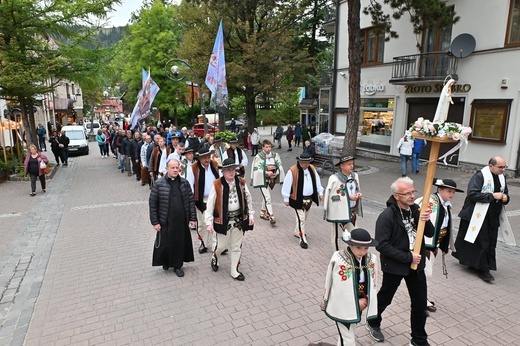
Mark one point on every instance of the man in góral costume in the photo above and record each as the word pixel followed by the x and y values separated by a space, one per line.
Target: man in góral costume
pixel 342 202
pixel 351 285
pixel 300 188
pixel 481 217
pixel 201 176
pixel 230 214
pixel 266 172
pixel 440 203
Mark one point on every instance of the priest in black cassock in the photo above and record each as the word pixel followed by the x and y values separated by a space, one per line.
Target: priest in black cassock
pixel 172 214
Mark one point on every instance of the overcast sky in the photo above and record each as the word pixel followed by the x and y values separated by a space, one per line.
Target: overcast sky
pixel 122 13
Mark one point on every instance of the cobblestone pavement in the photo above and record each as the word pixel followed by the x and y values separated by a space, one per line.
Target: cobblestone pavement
pixel 76 269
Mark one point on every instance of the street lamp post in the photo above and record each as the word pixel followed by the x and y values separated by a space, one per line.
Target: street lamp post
pixel 172 72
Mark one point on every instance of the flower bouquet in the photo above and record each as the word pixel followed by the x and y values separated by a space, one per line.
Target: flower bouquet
pixel 424 128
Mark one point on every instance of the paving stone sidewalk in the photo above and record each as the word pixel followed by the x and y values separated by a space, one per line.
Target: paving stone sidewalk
pixel 85 275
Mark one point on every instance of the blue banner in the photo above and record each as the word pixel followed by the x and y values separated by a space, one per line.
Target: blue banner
pixel 216 75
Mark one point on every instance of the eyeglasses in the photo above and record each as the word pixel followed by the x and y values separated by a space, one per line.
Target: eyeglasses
pixel 407 194
pixel 501 167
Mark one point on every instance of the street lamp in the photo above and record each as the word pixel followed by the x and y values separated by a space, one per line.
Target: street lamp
pixel 172 72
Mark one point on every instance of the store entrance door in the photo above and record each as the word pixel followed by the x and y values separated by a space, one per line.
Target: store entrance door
pixel 425 107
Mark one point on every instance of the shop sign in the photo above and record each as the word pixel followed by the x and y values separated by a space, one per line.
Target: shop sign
pixel 371 89
pixel 436 88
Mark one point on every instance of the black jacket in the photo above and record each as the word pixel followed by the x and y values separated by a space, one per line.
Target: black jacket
pixel 394 246
pixel 159 201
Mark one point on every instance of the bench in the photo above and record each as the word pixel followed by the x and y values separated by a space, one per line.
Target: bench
pixel 323 163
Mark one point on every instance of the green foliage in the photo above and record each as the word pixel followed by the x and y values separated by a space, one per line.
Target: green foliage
pixel 226 135
pixel 262 54
pixel 423 14
pixel 150 42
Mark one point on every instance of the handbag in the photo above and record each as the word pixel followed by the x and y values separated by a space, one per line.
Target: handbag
pixel 46 170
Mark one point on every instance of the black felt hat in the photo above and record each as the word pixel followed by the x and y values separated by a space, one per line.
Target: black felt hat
pixel 304 158
pixel 360 237
pixel 345 158
pixel 446 183
pixel 205 151
pixel 229 164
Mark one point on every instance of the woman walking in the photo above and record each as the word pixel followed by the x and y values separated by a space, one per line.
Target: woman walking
pixel 101 140
pixel 33 167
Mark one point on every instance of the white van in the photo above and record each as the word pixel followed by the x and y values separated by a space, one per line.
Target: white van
pixel 78 139
pixel 95 126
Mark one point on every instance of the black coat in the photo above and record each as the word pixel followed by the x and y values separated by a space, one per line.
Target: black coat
pixel 394 246
pixel 159 202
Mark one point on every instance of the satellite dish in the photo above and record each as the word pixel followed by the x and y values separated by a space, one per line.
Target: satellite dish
pixel 463 45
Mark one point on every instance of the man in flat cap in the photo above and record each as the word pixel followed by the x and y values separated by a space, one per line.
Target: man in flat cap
pixel 201 176
pixel 342 201
pixel 301 187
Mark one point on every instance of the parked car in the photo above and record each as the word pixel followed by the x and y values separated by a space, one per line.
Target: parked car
pixel 78 139
pixel 238 124
pixel 199 129
pixel 95 126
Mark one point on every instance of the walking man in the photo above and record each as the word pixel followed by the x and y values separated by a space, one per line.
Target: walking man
pixel 396 229
pixel 342 201
pixel 237 155
pixel 301 187
pixel 172 214
pixel 266 172
pixel 230 214
pixel 201 176
pixel 483 213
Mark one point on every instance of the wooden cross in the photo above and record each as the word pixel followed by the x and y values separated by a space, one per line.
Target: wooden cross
pixel 430 175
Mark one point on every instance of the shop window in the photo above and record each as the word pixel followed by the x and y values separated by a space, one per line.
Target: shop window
pixel 375 123
pixel 372 46
pixel 513 24
pixel 489 119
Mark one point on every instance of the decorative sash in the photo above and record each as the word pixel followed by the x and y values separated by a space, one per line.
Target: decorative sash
pixel 429 242
pixel 479 213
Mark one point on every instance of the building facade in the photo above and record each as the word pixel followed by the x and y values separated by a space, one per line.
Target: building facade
pixel 401 82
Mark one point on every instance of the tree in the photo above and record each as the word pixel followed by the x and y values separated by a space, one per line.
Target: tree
pixel 39 47
pixel 423 14
pixel 261 45
pixel 151 40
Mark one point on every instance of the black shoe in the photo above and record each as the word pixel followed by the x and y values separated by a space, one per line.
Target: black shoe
pixel 486 276
pixel 303 244
pixel 375 333
pixel 202 249
pixel 224 252
pixel 32 194
pixel 143 183
pixel 240 277
pixel 432 307
pixel 214 264
pixel 179 272
pixel 413 343
pixel 165 267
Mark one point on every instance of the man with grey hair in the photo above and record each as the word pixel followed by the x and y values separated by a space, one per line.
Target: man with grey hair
pixel 396 229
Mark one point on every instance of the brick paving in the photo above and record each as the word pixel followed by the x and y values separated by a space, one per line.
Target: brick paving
pixel 76 269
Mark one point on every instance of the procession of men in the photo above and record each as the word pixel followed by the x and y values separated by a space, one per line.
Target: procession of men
pixel 223 206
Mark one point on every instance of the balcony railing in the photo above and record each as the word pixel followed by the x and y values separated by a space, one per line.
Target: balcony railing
pixel 425 67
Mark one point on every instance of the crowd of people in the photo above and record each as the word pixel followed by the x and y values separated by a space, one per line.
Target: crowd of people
pixel 200 185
